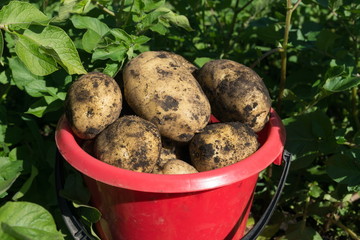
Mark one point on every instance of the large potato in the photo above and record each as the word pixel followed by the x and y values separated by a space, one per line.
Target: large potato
pixel 131 143
pixel 236 93
pixel 161 88
pixel 92 103
pixel 222 144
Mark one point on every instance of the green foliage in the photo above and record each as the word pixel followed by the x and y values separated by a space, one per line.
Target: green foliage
pixel 45 45
pixel 24 220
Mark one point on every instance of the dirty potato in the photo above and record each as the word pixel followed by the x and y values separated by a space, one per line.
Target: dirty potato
pixel 177 166
pixel 162 89
pixel 222 144
pixel 92 103
pixel 165 156
pixel 235 92
pixel 131 143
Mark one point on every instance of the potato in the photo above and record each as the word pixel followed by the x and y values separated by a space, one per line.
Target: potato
pixel 178 166
pixel 235 92
pixel 181 60
pixel 92 103
pixel 131 143
pixel 165 156
pixel 161 89
pixel 222 144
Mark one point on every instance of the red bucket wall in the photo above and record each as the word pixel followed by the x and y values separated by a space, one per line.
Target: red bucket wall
pixel 215 214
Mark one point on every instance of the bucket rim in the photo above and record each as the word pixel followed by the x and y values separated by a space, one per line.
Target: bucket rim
pixel 269 152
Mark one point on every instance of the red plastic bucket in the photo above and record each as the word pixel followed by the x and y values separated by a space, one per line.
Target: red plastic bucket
pixel 206 205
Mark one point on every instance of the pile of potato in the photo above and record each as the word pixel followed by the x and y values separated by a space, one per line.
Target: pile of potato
pixel 158 121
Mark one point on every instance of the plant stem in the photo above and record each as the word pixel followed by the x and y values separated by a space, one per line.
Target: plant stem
pixel 237 10
pixel 102 7
pixel 355 106
pixel 351 233
pixel 289 10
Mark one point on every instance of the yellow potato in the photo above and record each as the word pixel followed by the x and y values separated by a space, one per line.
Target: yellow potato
pixel 92 103
pixel 222 144
pixel 162 89
pixel 236 93
pixel 131 143
pixel 177 166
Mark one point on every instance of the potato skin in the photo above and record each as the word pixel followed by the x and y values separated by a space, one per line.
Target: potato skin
pixel 235 92
pixel 161 89
pixel 165 156
pixel 222 144
pixel 92 103
pixel 177 166
pixel 131 143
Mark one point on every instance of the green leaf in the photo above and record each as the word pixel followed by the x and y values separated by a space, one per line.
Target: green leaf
pixel 88 213
pixel 315 190
pixel 115 52
pixel 34 85
pixel 200 61
pixel 25 220
pixel 344 169
pixel 95 30
pixel 75 190
pixel 326 40
pixel 310 133
pixel 140 6
pixel 141 40
pixel 297 231
pixel 73 6
pixel 151 18
pixel 49 46
pixel 44 105
pixel 339 84
pixel 112 69
pixel 21 14
pixel 159 28
pixel 29 53
pixel 9 172
pixel 176 19
pixel 26 185
pixel 121 35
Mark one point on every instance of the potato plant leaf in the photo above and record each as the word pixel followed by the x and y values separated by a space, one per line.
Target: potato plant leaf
pixel 344 169
pixel 27 184
pixel 34 85
pixel 25 220
pixel 56 43
pixel 339 84
pixel 176 19
pixel 21 15
pixel 95 30
pixel 29 53
pixel 9 172
pixel 310 133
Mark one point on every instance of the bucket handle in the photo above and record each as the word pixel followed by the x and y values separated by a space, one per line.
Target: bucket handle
pixel 76 229
pixel 258 227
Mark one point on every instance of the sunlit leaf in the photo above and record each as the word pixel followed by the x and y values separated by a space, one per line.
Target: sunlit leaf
pixel 95 30
pixel 9 172
pixel 25 220
pixel 339 84
pixel 21 14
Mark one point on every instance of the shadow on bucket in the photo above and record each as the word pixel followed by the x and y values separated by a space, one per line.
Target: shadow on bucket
pixel 206 205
